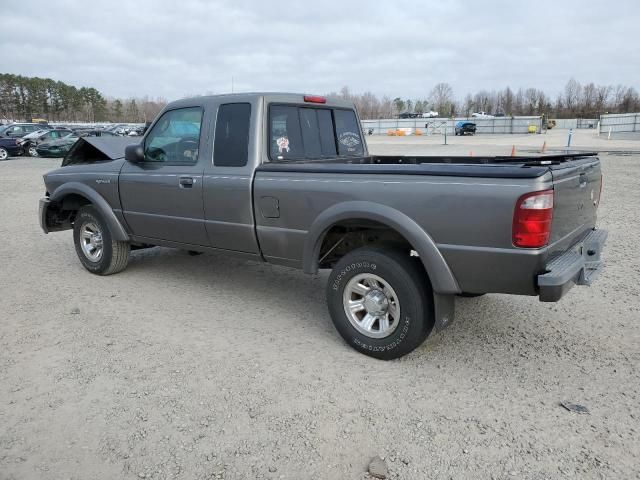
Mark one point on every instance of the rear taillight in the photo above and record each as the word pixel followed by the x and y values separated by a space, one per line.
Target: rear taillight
pixel 532 219
pixel 315 99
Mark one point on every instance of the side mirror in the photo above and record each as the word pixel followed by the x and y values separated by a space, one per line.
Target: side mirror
pixel 134 153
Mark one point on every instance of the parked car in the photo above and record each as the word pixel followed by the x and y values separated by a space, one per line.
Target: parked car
pixel 430 114
pixel 60 147
pixel 125 129
pixel 56 148
pixel 34 134
pixel 93 132
pixel 482 115
pixel 29 143
pixel 464 127
pixel 287 179
pixel 19 130
pixel 9 148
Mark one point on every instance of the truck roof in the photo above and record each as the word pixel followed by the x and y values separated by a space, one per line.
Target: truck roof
pixel 271 97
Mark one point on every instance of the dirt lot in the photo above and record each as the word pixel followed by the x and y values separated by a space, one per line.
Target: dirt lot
pixel 211 367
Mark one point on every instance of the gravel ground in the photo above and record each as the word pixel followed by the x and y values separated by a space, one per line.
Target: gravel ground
pixel 211 367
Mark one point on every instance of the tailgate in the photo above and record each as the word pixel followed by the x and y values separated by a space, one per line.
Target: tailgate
pixel 576 196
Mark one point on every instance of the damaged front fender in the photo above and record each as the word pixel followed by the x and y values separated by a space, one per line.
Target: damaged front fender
pixel 53 219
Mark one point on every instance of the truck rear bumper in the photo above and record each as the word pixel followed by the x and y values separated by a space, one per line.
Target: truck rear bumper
pixel 579 265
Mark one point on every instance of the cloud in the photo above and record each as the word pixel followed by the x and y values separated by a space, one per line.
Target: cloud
pixel 172 49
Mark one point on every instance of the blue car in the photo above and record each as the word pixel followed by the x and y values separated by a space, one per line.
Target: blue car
pixel 463 127
pixel 9 148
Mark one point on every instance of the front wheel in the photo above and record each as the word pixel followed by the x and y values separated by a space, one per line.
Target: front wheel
pixel 380 301
pixel 4 154
pixel 95 246
pixel 32 151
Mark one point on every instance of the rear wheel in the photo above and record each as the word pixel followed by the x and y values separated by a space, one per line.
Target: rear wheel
pixel 4 154
pixel 380 301
pixel 95 246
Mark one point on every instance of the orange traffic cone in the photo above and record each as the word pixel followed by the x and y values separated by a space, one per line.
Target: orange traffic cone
pixel 513 151
pixel 544 147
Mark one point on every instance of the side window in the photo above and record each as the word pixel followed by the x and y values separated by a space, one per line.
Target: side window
pixel 175 138
pixel 310 132
pixel 348 133
pixel 231 144
pixel 327 138
pixel 317 132
pixel 285 136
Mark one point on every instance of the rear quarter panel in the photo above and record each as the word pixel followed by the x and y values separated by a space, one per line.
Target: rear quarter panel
pixel 470 219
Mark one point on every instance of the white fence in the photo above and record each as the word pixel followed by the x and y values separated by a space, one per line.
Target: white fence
pixel 438 126
pixel 620 122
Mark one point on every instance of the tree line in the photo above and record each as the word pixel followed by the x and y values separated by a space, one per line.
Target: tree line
pixel 25 98
pixel 574 101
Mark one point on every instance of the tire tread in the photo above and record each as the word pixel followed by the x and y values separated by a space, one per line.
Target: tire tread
pixel 119 257
pixel 416 284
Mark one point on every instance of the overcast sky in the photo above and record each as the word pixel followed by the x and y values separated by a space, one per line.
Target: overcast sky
pixel 398 48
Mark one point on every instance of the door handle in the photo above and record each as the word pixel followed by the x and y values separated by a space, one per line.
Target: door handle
pixel 186 182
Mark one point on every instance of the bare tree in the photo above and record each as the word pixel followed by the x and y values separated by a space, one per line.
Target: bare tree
pixel 507 98
pixel 602 96
pixel 586 100
pixel 386 108
pixel 572 94
pixel 587 105
pixel 442 98
pixel 467 105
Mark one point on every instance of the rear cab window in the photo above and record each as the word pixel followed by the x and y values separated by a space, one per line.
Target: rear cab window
pixel 231 141
pixel 299 132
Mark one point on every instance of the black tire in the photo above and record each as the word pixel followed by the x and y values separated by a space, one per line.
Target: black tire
pixel 4 153
pixel 31 150
pixel 114 255
pixel 408 280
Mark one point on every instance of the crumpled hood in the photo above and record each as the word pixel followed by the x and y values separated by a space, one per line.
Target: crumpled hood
pixel 97 149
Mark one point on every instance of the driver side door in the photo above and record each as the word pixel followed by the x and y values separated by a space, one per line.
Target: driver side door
pixel 161 195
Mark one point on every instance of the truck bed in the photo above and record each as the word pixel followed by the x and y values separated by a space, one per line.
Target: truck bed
pixel 466 204
pixel 459 166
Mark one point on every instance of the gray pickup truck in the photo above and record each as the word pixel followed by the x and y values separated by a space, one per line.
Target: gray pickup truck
pixel 287 179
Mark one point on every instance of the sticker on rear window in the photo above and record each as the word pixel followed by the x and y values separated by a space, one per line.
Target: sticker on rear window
pixel 283 144
pixel 350 140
